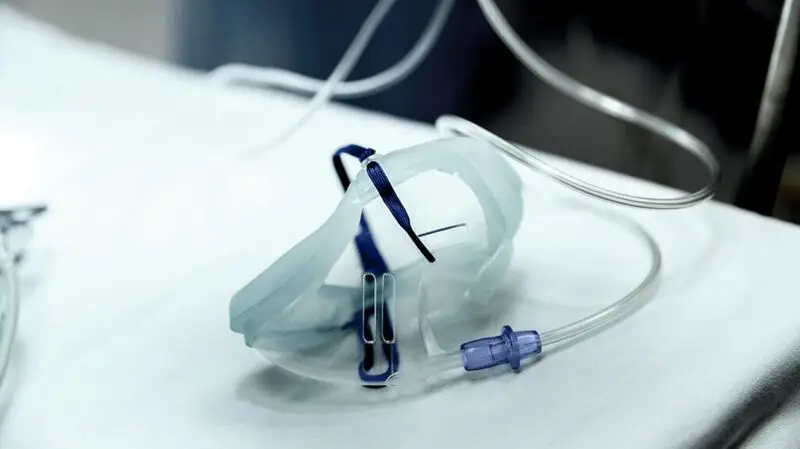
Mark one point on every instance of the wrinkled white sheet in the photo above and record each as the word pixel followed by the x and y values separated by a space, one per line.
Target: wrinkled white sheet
pixel 159 213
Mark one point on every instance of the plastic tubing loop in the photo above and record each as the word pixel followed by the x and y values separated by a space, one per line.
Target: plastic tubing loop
pixel 9 307
pixel 296 82
pixel 629 303
pixel 335 85
pixel 596 100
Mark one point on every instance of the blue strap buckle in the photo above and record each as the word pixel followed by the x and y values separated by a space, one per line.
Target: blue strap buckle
pixel 360 324
pixel 374 264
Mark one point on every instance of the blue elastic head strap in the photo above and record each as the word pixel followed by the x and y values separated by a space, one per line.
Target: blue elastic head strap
pixel 373 263
pixel 371 258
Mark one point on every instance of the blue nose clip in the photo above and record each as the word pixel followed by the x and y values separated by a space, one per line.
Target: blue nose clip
pixel 374 267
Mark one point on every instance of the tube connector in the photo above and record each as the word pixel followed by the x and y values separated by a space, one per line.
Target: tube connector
pixel 509 347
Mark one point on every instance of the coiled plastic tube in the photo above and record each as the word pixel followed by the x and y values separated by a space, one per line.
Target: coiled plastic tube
pixel 596 100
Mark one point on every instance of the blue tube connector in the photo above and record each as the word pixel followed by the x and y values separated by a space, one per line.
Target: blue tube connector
pixel 509 347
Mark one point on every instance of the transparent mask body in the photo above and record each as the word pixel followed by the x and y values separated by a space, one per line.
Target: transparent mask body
pixel 293 315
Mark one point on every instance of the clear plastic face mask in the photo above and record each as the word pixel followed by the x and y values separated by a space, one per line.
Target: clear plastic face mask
pixel 450 298
pixel 425 281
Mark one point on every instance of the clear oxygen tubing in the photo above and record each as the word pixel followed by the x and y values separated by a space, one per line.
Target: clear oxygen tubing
pixel 9 307
pixel 340 72
pixel 629 303
pixel 342 69
pixel 298 83
pixel 456 125
pixel 773 98
pixel 596 100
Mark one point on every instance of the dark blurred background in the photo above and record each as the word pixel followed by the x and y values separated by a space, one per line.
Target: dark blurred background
pixel 701 64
